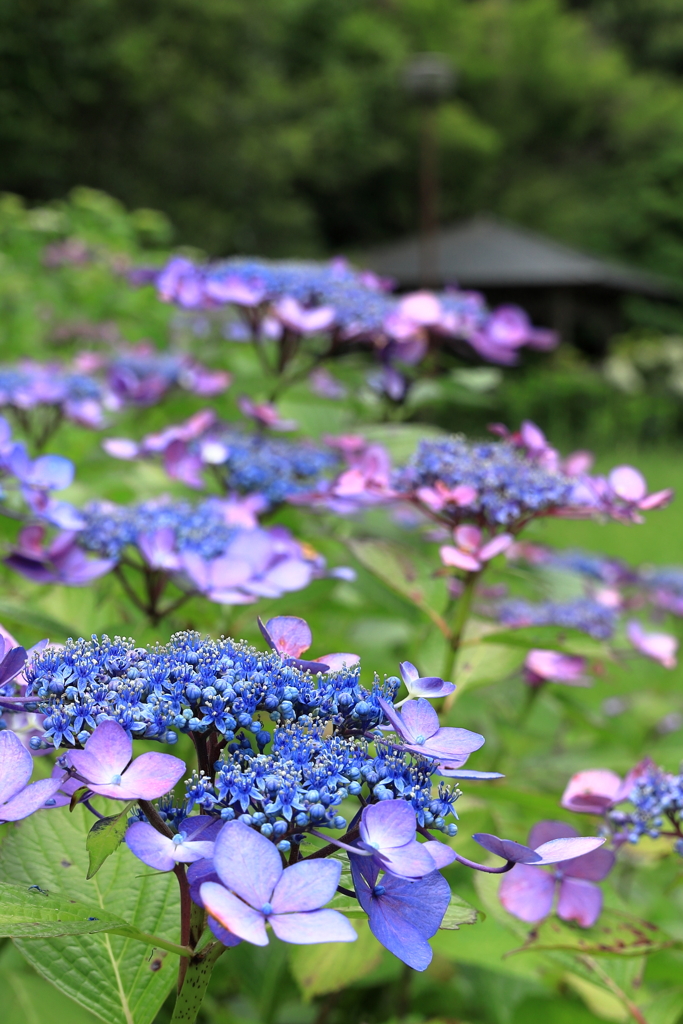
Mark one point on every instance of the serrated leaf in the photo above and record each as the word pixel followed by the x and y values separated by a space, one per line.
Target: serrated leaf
pixel 29 911
pixel 616 934
pixel 104 838
pixel 112 976
pixel 393 564
pixel 459 912
pixel 332 966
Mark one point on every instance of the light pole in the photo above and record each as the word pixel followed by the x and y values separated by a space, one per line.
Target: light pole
pixel 429 78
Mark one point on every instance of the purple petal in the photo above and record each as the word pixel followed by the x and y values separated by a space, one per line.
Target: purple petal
pixel 419 719
pixel 30 799
pixel 392 716
pixel 12 664
pixel 150 846
pixel 409 861
pixel 121 448
pixel 441 854
pixel 388 824
pixel 52 472
pixel 247 863
pixel 430 687
pixel 579 901
pixel 221 933
pixel 230 912
pixel 592 866
pixel 409 673
pixel 527 893
pixel 315 926
pixel 508 849
pixel 558 850
pixel 33 570
pixel 110 746
pixel 16 765
pixel 204 827
pixel 450 746
pixel 198 873
pixel 544 831
pixel 290 635
pixel 406 914
pixel 467 773
pixel 307 885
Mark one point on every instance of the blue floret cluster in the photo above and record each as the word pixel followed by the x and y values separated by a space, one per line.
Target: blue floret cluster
pixel 274 467
pixel 286 747
pixel 583 613
pixel 509 487
pixel 657 800
pixel 196 527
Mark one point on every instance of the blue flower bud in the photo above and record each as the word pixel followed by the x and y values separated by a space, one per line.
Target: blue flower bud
pixel 284 846
pixel 227 814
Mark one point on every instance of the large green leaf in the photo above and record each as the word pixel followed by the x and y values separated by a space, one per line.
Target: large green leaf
pixel 331 966
pixel 394 565
pixel 28 911
pixel 29 999
pixel 615 933
pixel 484 664
pixel 113 976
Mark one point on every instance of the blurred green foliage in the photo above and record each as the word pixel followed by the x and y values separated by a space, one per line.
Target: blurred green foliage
pixel 282 127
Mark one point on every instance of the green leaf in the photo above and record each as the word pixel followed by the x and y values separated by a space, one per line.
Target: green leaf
pixel 117 978
pixel 29 911
pixel 37 620
pixel 568 641
pixel 332 966
pixel 485 664
pixel 460 912
pixel 600 1001
pixel 615 933
pixel 392 563
pixel 104 838
pixel 29 999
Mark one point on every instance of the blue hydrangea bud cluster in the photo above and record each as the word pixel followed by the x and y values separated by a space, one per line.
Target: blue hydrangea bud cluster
pixel 286 748
pixel 657 800
pixel 25 386
pixel 583 613
pixel 190 685
pixel 276 468
pixel 111 528
pixel 509 487
pixel 595 567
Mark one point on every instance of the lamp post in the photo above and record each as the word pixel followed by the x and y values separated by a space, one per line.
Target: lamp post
pixel 429 78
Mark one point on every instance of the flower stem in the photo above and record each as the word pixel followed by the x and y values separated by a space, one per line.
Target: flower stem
pixel 462 613
pixel 195 984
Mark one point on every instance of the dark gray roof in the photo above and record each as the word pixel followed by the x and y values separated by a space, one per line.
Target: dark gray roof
pixel 484 253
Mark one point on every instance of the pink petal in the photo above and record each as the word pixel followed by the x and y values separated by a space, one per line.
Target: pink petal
pixel 556 667
pixel 558 850
pixel 290 634
pixel 527 892
pixel 591 791
pixel 627 483
pixel 468 538
pixel 579 901
pixel 151 776
pixel 121 448
pixel 545 831
pixel 592 867
pixel 336 662
pixel 305 886
pixel 313 927
pixel 112 748
pixel 495 547
pixel 420 307
pixel 239 918
pixel 459 559
pixel 656 500
pixel 660 647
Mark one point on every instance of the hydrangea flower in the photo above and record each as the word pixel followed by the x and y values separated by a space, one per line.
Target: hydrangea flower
pixel 661 647
pixel 290 636
pixel 528 892
pixel 542 666
pixel 254 891
pixel 388 834
pixel 423 686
